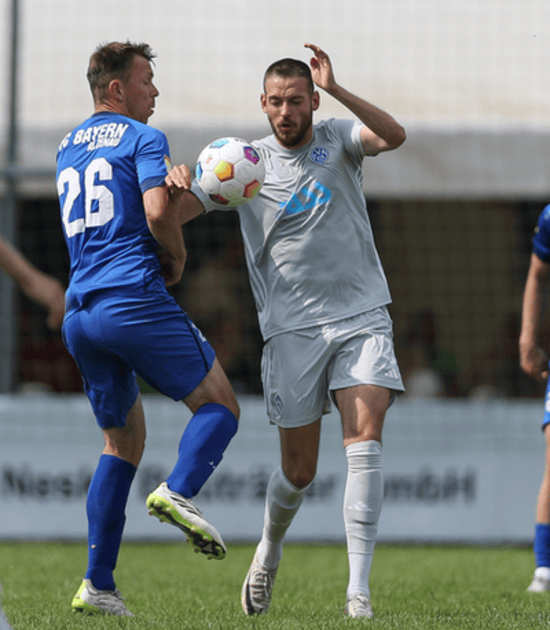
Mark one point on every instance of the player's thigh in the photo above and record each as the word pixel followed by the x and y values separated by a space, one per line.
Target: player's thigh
pixel 214 388
pixel 363 410
pixel 294 378
pixel 364 376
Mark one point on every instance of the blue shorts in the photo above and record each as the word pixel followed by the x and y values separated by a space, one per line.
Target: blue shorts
pixel 113 337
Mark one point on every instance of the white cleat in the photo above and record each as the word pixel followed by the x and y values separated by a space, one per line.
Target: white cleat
pixel 359 606
pixel 90 601
pixel 171 507
pixel 257 587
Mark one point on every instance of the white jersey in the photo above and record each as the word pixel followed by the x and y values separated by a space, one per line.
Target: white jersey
pixel 307 235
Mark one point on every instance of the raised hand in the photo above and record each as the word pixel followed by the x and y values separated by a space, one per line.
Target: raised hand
pixel 321 68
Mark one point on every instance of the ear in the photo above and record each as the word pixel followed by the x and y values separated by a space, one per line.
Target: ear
pixel 116 90
pixel 263 102
pixel 315 100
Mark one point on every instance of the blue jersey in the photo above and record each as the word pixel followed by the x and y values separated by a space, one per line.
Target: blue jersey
pixel 103 168
pixel 541 240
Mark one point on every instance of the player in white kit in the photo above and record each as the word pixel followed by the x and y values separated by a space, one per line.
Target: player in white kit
pixel 321 296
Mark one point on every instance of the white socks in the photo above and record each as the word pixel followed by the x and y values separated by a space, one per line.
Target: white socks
pixel 363 499
pixel 543 573
pixel 282 502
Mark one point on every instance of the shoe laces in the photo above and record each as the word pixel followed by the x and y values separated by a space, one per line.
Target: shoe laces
pixel 261 582
pixel 186 504
pixel 118 603
pixel 112 599
pixel 359 606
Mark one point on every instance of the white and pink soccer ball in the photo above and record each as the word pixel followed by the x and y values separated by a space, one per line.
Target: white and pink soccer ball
pixel 230 171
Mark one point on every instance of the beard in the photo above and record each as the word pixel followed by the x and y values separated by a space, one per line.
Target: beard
pixel 294 136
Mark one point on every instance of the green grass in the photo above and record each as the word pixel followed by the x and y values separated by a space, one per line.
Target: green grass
pixel 169 587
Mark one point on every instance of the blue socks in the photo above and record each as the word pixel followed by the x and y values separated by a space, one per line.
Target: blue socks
pixel 542 545
pixel 201 448
pixel 106 505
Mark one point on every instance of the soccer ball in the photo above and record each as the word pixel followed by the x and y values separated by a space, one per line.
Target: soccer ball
pixel 230 171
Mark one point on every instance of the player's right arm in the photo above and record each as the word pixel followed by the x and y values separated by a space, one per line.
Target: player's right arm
pixel 533 359
pixel 381 132
pixel 164 222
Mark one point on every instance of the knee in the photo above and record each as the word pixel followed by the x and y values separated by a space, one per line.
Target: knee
pixel 214 389
pixel 229 401
pixel 300 475
pixel 128 446
pixel 370 431
pixel 234 407
pixel 137 453
pixel 226 397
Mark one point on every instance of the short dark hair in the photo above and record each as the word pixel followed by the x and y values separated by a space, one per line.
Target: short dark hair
pixel 113 61
pixel 290 68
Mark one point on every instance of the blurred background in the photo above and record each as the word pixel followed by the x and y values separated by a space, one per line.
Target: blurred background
pixel 453 210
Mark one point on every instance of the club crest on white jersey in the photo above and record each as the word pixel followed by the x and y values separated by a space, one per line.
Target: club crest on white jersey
pixel 319 155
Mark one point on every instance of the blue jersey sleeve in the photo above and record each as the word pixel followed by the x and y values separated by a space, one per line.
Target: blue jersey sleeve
pixel 541 239
pixel 152 159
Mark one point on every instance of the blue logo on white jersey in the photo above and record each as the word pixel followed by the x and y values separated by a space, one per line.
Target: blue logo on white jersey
pixel 306 199
pixel 319 155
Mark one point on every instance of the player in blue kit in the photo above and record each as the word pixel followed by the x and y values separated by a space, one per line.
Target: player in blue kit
pixel 126 246
pixel 534 362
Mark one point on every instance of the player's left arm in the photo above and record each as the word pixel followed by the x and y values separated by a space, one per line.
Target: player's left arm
pixel 381 132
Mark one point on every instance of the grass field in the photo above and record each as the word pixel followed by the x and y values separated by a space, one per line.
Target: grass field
pixel 169 587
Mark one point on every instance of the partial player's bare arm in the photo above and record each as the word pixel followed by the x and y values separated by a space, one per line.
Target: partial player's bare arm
pixel 381 132
pixel 533 359
pixel 188 206
pixel 164 222
pixel 37 285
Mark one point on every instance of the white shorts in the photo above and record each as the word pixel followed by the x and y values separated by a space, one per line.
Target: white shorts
pixel 300 369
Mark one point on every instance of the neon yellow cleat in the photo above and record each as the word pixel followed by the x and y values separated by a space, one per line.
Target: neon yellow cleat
pixel 171 507
pixel 92 602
